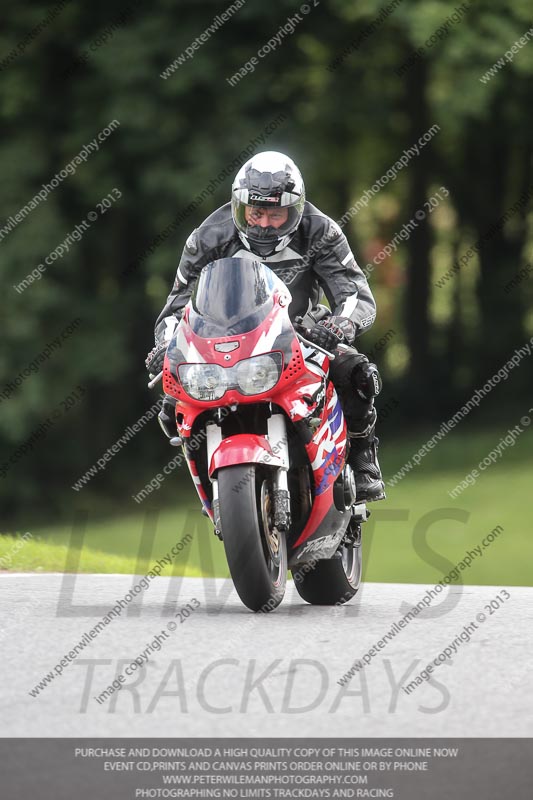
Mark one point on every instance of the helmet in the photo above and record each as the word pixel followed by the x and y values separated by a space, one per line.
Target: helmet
pixel 267 180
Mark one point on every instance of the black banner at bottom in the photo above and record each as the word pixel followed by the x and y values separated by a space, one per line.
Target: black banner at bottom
pixel 127 769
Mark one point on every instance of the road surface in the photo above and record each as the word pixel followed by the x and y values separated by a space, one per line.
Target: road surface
pixel 218 670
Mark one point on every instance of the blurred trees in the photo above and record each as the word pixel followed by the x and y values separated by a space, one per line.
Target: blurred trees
pixel 345 126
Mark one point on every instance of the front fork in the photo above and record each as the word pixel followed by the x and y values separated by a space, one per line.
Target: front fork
pixel 277 437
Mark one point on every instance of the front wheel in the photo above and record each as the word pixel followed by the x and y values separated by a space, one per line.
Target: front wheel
pixel 331 581
pixel 256 551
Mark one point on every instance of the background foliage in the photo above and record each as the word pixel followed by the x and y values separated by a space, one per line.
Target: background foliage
pixel 345 127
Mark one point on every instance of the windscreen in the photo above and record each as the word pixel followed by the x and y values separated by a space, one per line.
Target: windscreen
pixel 232 296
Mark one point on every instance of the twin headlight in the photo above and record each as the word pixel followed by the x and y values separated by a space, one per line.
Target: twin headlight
pixel 251 376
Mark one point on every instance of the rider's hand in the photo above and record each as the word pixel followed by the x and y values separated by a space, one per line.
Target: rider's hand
pixel 348 328
pixel 332 331
pixel 154 359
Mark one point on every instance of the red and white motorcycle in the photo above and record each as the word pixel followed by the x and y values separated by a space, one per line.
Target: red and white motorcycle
pixel 271 468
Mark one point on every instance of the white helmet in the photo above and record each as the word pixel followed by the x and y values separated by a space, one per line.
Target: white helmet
pixel 268 180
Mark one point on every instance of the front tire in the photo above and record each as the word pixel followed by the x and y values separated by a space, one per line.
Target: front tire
pixel 255 550
pixel 331 581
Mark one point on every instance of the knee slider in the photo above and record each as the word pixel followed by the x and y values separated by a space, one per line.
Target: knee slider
pixel 366 381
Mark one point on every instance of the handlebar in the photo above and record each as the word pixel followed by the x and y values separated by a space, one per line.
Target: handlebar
pixel 155 380
pixel 302 339
pixel 343 348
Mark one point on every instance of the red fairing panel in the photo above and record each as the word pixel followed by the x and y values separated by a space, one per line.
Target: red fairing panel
pixel 244 448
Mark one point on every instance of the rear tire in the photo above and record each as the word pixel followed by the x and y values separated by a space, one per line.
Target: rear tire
pixel 256 552
pixel 331 581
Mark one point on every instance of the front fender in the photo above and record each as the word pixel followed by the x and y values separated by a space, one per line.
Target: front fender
pixel 243 448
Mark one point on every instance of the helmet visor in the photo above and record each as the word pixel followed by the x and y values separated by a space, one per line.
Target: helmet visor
pixel 266 222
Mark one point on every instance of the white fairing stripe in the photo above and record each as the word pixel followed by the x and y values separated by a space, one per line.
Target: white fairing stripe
pixel 182 278
pixel 324 447
pixel 337 433
pixel 265 343
pixel 317 365
pixel 192 356
pixel 171 323
pixel 349 306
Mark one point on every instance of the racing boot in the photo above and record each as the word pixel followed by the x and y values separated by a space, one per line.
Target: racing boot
pixel 363 459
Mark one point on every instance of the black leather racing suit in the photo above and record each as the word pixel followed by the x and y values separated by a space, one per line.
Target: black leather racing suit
pixel 317 258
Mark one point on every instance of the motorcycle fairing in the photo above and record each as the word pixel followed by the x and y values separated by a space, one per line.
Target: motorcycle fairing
pixel 302 391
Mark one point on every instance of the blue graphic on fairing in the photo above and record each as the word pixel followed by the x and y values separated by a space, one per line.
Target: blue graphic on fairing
pixel 335 417
pixel 332 463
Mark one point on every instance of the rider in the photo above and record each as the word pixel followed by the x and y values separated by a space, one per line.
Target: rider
pixel 269 217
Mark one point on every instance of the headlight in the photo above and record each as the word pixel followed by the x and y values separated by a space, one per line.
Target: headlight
pixel 258 374
pixel 203 381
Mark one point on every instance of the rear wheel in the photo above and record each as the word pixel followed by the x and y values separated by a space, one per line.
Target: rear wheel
pixel 331 581
pixel 256 551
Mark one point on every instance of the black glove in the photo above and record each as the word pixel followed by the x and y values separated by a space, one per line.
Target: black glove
pixel 154 359
pixel 332 331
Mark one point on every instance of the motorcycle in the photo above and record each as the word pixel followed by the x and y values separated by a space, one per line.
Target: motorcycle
pixel 265 439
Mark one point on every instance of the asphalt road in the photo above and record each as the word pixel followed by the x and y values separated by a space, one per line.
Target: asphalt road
pixel 223 671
